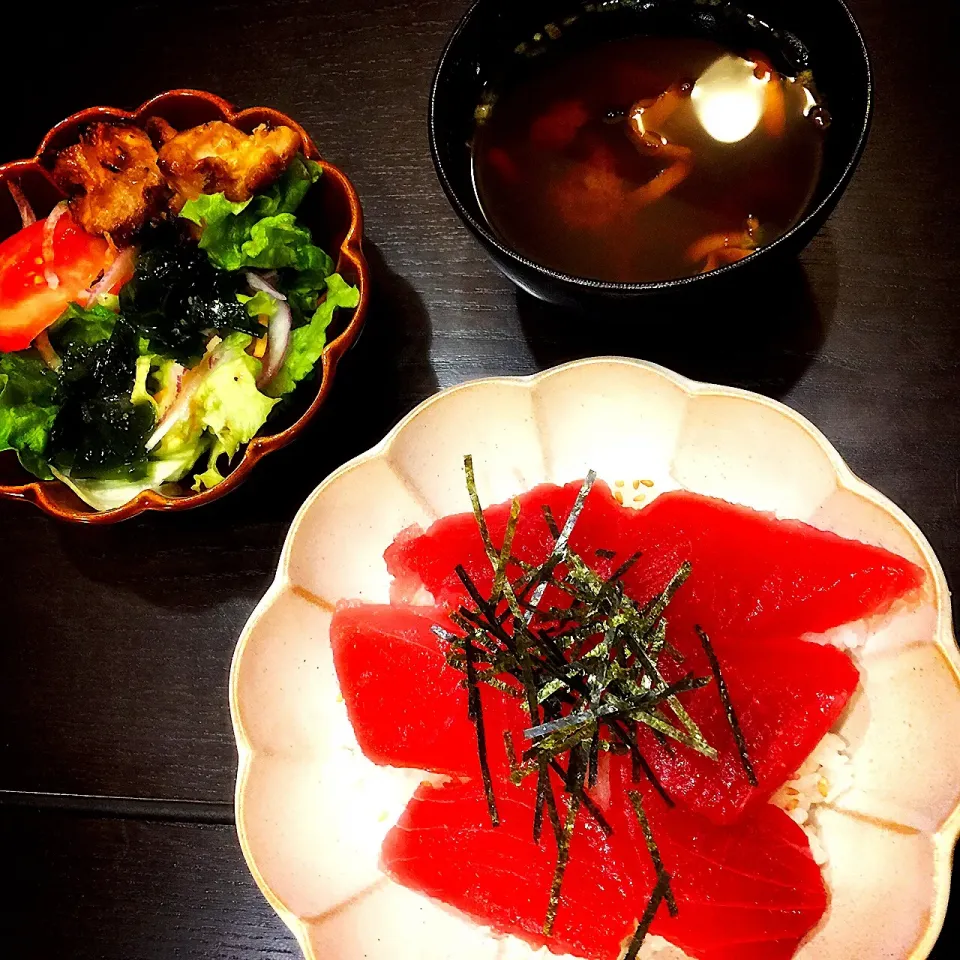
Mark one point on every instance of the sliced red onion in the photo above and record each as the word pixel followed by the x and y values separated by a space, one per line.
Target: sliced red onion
pixel 165 399
pixel 123 264
pixel 278 340
pixel 259 283
pixel 27 216
pixel 49 356
pixel 50 224
pixel 278 329
pixel 187 387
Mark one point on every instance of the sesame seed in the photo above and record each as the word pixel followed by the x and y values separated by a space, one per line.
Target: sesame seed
pixel 636 484
pixel 647 483
pixel 639 498
pixel 619 497
pixel 823 787
pixel 619 483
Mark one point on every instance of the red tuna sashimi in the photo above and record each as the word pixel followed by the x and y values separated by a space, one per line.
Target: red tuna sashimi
pixel 787 694
pixel 752 574
pixel 445 846
pixel 751 889
pixel 755 575
pixel 431 557
pixel 408 707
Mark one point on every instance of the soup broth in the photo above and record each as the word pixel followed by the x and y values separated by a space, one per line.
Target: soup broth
pixel 647 158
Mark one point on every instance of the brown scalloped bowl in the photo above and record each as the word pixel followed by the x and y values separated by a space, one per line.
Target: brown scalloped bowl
pixel 331 210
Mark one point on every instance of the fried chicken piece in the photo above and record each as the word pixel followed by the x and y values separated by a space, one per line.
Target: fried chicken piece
pixel 218 158
pixel 160 131
pixel 113 180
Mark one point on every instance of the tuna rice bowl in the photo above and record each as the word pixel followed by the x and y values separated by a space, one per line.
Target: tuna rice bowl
pixel 617 713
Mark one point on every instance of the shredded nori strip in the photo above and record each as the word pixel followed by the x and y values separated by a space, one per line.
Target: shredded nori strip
pixel 653 905
pixel 636 802
pixel 588 804
pixel 586 671
pixel 574 779
pixel 551 522
pixel 475 712
pixel 593 764
pixel 728 706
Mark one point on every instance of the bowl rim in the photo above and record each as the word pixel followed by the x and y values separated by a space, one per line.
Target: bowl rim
pixel 820 212
pixel 350 255
pixel 943 841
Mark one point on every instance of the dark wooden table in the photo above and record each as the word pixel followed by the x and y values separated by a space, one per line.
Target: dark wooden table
pixel 117 760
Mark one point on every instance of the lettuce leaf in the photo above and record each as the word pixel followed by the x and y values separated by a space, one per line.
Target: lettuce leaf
pixel 141 392
pixel 307 342
pixel 27 409
pixel 281 242
pixel 226 409
pixel 261 304
pixel 224 230
pixel 211 476
pixel 263 231
pixel 111 494
pixel 82 326
pixel 227 402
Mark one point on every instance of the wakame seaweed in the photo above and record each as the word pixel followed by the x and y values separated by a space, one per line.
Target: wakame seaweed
pixel 177 298
pixel 98 431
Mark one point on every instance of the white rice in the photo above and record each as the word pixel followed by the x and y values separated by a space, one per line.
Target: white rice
pixel 822 777
pixel 656 948
pixel 826 773
pixel 849 636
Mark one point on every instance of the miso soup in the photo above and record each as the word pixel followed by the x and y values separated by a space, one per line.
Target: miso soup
pixel 648 158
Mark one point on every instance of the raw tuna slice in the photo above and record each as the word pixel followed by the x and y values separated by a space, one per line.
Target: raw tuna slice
pixel 754 575
pixel 408 707
pixel 431 557
pixel 787 695
pixel 749 887
pixel 445 846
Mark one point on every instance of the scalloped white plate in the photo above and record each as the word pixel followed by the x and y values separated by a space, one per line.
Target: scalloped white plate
pixel 312 811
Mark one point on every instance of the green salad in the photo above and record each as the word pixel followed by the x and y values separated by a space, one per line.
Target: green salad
pixel 164 377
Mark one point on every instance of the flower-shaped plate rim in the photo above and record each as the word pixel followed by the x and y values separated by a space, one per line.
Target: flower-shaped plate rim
pixel 944 839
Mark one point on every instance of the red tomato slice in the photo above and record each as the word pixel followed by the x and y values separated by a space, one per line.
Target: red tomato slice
pixel 28 305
